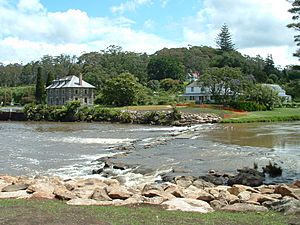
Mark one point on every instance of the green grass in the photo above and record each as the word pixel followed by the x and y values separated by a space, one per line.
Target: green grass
pixel 276 115
pixel 58 213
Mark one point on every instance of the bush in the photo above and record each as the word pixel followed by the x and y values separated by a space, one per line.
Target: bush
pixel 247 106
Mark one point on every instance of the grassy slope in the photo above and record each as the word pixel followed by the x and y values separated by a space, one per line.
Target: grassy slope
pixel 23 212
pixel 280 114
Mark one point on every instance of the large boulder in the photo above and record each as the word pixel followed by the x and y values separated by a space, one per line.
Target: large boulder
pixel 174 190
pixel 248 177
pixel 287 206
pixel 15 194
pixel 190 205
pixel 184 181
pixel 100 194
pixel 62 193
pixel 285 190
pixel 244 207
pixel 15 187
pixel 195 193
pixel 118 192
pixel 200 183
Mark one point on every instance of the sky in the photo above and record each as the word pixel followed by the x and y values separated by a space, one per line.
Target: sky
pixel 30 29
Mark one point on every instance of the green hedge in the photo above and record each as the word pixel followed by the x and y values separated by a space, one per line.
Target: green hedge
pixel 73 112
pixel 247 106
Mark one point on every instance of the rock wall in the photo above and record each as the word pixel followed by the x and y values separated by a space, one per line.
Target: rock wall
pixel 185 193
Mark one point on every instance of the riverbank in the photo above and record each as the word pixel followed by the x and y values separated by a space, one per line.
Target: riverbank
pixel 184 193
pixel 276 115
pixel 49 212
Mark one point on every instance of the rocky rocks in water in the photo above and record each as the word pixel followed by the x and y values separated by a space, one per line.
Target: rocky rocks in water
pixel 190 205
pixel 214 179
pixel 184 181
pixel 244 207
pixel 247 176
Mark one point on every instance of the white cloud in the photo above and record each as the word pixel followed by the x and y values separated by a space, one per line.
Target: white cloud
pixel 164 3
pixel 130 5
pixel 26 36
pixel 256 26
pixel 30 6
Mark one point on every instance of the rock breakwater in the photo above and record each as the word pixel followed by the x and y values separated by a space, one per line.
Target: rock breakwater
pixel 184 193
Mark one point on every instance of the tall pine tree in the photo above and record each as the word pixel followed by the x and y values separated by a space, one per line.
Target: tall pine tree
pixel 39 88
pixel 224 41
pixel 296 25
pixel 50 78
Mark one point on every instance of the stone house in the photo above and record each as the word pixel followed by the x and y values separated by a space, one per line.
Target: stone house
pixel 70 88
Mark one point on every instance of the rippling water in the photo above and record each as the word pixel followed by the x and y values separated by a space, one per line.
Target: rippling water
pixel 68 149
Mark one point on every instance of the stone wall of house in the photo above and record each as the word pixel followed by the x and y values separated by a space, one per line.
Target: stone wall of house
pixel 60 96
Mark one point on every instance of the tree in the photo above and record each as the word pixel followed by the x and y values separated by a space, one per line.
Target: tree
pixel 296 25
pixel 224 41
pixel 224 84
pixel 123 90
pixel 39 88
pixel 50 78
pixel 264 95
pixel 162 67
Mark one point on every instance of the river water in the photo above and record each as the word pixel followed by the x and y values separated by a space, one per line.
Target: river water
pixel 70 149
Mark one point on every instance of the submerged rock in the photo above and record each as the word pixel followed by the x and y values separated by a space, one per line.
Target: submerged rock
pixel 247 176
pixel 287 206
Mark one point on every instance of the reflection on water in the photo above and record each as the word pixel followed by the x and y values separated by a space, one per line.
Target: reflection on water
pixel 273 135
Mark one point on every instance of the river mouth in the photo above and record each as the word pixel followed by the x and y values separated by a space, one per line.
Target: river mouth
pixel 70 149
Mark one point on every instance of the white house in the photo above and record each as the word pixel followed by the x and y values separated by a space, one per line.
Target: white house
pixel 281 92
pixel 195 92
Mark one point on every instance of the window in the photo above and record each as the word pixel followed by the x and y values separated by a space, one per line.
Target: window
pixel 76 92
pixel 85 100
pixel 85 91
pixel 192 89
pixel 76 99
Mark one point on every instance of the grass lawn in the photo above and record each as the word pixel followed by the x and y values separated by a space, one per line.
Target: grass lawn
pixel 280 114
pixel 25 212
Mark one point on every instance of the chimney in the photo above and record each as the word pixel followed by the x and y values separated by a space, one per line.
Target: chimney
pixel 80 79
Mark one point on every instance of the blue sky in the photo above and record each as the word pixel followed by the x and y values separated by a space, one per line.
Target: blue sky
pixel 33 28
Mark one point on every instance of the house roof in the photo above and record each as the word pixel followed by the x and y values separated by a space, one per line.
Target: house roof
pixel 194 84
pixel 69 82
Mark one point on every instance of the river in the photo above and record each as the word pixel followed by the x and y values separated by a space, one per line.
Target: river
pixel 69 149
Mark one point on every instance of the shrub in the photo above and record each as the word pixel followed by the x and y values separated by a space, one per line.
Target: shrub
pixel 247 106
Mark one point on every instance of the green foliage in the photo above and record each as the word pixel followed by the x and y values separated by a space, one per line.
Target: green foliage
pixel 162 67
pixel 293 88
pixel 73 112
pixel 263 95
pixel 295 10
pixel 50 78
pixel 169 84
pixel 225 84
pixel 223 39
pixel 123 90
pixel 17 95
pixel 247 106
pixel 39 88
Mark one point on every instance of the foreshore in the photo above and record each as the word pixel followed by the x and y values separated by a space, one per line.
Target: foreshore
pixel 185 193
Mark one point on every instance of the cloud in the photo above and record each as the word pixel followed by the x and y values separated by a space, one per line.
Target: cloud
pixel 254 24
pixel 26 36
pixel 130 5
